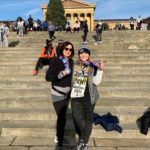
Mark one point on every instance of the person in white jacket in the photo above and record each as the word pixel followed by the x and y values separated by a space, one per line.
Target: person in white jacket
pixel 84 94
pixel 4 31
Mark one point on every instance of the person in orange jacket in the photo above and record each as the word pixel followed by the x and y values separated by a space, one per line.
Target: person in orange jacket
pixel 46 55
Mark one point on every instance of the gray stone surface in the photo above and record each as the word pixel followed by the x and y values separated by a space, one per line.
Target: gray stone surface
pixel 32 141
pixel 27 117
pixel 132 148
pixel 6 140
pixel 41 148
pixel 13 148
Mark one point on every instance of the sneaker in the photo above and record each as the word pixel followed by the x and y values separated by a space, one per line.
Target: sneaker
pixel 80 144
pixel 100 42
pixel 35 72
pixel 85 147
pixel 65 141
pixel 55 139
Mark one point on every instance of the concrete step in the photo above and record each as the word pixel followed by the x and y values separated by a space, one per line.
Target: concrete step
pixel 46 102
pixel 113 71
pixel 106 77
pixel 38 84
pixel 25 104
pixel 33 128
pixel 21 61
pixel 107 66
pixel 24 85
pixel 105 91
pixel 37 54
pixel 123 101
pixel 22 143
pixel 125 114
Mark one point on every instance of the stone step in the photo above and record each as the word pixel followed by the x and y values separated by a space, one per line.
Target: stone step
pixel 105 91
pixel 106 77
pixel 109 55
pixel 125 114
pixel 124 144
pixel 24 85
pixel 33 102
pixel 21 61
pixel 114 71
pixel 46 102
pixel 122 101
pixel 22 143
pixel 4 65
pixel 33 128
pixel 124 78
pixel 105 58
pixel 38 84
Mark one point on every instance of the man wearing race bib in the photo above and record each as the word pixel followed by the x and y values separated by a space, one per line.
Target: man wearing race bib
pixel 84 95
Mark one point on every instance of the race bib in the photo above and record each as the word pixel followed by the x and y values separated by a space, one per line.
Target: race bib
pixel 79 85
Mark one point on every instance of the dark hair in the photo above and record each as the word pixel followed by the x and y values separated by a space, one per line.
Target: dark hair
pixel 48 41
pixel 66 43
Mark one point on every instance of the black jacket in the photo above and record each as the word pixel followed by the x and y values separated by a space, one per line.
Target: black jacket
pixel 144 122
pixel 53 71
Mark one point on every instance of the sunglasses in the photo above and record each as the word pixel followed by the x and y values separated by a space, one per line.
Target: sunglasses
pixel 68 49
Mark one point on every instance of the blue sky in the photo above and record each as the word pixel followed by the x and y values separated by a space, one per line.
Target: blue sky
pixel 106 9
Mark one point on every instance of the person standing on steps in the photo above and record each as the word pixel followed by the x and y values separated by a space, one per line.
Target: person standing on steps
pixel 46 56
pixel 4 33
pixel 60 76
pixel 99 29
pixel 51 30
pixel 84 95
pixel 85 31
pixel 20 27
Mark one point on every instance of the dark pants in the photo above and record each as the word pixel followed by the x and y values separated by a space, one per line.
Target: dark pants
pixel 61 108
pixel 98 36
pixel 132 26
pixel 41 62
pixel 76 29
pixel 85 36
pixel 82 111
pixel 51 34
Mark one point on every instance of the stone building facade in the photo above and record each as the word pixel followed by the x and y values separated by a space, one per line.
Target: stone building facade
pixel 76 10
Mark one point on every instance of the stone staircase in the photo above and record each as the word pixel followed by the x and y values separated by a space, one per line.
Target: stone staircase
pixel 27 116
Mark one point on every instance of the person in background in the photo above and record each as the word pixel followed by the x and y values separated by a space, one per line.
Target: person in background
pixel 131 21
pixel 51 30
pixel 60 74
pixel 85 31
pixel 84 95
pixel 58 48
pixel 139 22
pixel 76 27
pixel 20 27
pixel 30 23
pixel 4 33
pixel 46 56
pixel 99 30
pixel 67 27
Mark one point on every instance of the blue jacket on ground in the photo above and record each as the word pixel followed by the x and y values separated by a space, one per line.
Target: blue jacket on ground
pixel 108 122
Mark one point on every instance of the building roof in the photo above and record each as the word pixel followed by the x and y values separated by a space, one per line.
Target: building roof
pixel 70 4
pixel 146 20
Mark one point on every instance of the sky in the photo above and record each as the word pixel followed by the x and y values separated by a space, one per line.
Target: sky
pixel 105 9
